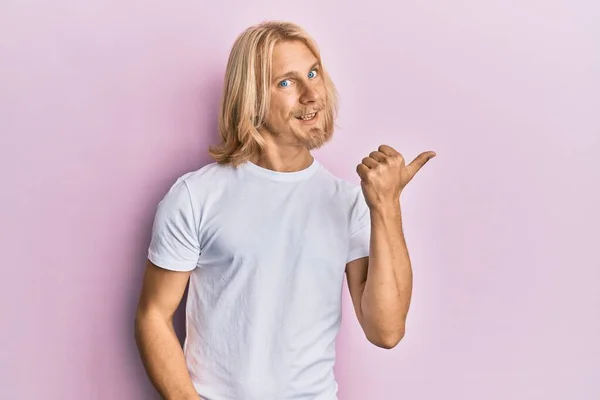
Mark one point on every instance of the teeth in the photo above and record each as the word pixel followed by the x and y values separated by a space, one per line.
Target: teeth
pixel 308 116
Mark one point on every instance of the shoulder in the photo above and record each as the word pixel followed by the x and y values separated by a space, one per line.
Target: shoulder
pixel 206 174
pixel 344 190
pixel 206 179
pixel 349 199
pixel 190 189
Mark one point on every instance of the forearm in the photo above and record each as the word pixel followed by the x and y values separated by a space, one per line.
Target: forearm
pixel 163 358
pixel 388 288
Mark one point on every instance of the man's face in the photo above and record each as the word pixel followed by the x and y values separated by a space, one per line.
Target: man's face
pixel 298 97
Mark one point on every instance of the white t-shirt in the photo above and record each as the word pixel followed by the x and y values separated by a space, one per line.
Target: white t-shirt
pixel 268 252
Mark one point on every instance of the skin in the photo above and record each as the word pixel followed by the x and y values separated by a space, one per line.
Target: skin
pixel 161 353
pixel 302 91
pixel 380 285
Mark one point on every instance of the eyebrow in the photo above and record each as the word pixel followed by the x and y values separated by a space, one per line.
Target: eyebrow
pixel 293 73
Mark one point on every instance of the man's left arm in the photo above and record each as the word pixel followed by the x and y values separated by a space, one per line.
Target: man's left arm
pixel 381 285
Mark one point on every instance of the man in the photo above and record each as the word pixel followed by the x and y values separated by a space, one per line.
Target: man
pixel 265 236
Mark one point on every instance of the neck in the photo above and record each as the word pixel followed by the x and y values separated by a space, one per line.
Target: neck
pixel 283 159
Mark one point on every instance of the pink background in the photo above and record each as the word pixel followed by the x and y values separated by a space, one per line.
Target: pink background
pixel 104 103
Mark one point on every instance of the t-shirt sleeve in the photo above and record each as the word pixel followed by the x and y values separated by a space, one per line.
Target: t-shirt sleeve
pixel 360 228
pixel 174 244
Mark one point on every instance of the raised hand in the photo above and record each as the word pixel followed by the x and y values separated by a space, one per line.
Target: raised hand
pixel 384 174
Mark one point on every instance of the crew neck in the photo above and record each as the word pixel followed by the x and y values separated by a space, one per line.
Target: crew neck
pixel 281 176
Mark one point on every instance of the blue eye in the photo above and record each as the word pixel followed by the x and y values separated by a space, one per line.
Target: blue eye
pixel 284 83
pixel 313 72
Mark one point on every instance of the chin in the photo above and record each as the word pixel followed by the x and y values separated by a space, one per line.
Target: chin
pixel 317 139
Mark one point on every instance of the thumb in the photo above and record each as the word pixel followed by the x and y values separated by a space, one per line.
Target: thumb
pixel 419 161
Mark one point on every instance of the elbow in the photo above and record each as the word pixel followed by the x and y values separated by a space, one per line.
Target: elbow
pixel 388 341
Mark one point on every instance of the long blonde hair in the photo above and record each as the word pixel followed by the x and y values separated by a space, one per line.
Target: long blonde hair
pixel 246 92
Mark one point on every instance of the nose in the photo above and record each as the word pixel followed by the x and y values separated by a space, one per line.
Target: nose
pixel 309 95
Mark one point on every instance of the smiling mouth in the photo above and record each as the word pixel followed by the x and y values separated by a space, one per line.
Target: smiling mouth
pixel 307 117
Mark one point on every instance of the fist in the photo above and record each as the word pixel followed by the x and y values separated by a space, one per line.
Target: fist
pixel 384 174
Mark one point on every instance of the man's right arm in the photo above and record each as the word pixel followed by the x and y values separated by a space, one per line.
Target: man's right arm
pixel 159 347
